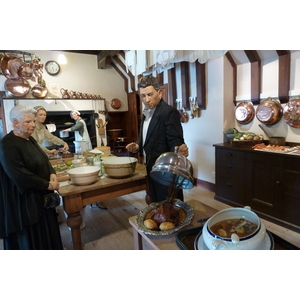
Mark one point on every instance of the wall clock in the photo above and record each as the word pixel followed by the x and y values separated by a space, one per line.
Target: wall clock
pixel 52 67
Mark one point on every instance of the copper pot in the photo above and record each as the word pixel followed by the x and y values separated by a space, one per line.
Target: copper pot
pixel 17 87
pixel 269 111
pixel 10 65
pixel 244 112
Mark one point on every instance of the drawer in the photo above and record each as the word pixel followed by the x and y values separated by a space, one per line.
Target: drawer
pixel 231 155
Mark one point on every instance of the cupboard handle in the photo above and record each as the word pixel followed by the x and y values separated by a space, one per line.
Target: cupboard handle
pixel 229 154
pixel 228 167
pixel 278 182
pixel 228 184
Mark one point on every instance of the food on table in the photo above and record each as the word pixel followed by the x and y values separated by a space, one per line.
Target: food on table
pixel 226 228
pixel 166 216
pixel 166 226
pixel 150 224
pixel 247 136
pixel 269 147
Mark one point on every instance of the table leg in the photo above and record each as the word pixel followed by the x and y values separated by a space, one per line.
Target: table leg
pixel 137 240
pixel 74 221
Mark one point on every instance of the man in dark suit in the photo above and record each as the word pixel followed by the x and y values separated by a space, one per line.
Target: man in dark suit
pixel 160 132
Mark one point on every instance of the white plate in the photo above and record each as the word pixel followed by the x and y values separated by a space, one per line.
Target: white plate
pixel 268 243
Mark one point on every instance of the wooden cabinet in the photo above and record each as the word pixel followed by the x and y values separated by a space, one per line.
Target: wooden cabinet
pixel 268 182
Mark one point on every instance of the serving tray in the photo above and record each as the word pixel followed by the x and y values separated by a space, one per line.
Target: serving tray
pixel 185 240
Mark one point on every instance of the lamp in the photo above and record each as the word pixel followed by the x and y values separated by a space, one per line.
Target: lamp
pixel 62 59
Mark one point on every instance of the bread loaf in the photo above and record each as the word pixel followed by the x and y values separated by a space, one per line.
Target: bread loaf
pixel 150 224
pixel 166 226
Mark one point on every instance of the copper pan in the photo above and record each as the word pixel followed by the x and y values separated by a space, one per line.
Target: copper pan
pixel 10 65
pixel 17 87
pixel 25 71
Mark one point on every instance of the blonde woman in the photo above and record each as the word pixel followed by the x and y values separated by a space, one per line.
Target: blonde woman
pixel 41 133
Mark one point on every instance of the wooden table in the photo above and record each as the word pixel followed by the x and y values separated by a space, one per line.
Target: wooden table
pixel 143 241
pixel 76 197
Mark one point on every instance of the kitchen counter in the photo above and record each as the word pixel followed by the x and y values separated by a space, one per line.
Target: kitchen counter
pixel 76 197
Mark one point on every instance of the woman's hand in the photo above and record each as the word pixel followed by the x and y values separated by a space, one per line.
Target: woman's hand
pixel 53 183
pixel 53 152
pixel 132 147
pixel 66 147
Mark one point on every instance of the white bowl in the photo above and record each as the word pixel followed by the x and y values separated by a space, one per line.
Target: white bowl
pixel 119 167
pixel 84 175
pixel 252 242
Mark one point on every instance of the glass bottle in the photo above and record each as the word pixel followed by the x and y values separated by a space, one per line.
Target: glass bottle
pixel 97 162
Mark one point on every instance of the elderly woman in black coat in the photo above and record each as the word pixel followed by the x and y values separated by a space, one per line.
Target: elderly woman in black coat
pixel 25 177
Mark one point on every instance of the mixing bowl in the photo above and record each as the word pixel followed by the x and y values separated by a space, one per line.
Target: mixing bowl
pixel 84 175
pixel 119 167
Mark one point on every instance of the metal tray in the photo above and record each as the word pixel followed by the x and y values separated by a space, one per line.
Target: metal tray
pixel 189 211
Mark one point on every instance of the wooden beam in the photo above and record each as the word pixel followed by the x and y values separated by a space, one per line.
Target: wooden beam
pixel 201 85
pixel 233 64
pixel 185 81
pixel 284 60
pixel 122 65
pixel 255 75
pixel 172 87
pixel 122 75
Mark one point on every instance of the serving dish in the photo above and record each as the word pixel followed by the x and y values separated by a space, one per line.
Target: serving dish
pixel 242 229
pixel 189 213
pixel 267 244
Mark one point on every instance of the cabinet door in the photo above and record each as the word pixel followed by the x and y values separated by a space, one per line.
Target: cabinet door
pixel 263 183
pixel 230 176
pixel 290 209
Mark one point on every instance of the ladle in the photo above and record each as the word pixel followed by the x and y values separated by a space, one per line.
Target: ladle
pixel 275 140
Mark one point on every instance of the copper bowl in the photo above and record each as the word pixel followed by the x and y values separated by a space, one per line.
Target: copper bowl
pixel 244 112
pixel 291 113
pixel 17 87
pixel 269 111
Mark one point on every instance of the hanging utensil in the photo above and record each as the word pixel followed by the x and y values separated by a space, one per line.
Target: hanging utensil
pixel 274 140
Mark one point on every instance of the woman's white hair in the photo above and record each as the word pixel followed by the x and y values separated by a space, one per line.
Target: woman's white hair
pixel 74 111
pixel 19 111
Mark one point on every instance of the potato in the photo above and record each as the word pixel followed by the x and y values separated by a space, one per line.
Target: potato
pixel 150 224
pixel 166 226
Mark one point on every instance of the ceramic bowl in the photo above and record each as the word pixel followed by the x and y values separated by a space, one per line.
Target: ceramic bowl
pixel 119 167
pixel 84 175
pixel 253 241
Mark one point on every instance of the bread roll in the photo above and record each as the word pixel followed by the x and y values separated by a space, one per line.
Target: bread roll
pixel 150 224
pixel 166 226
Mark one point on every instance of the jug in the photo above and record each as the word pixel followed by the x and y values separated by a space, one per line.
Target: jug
pixel 73 94
pixel 64 93
pixel 80 146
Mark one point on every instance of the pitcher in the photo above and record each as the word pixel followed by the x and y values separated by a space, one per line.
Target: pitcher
pixel 64 93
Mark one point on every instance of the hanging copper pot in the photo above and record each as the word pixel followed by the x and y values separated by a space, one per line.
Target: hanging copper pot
pixel 17 87
pixel 269 111
pixel 291 113
pixel 25 71
pixel 10 65
pixel 244 112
